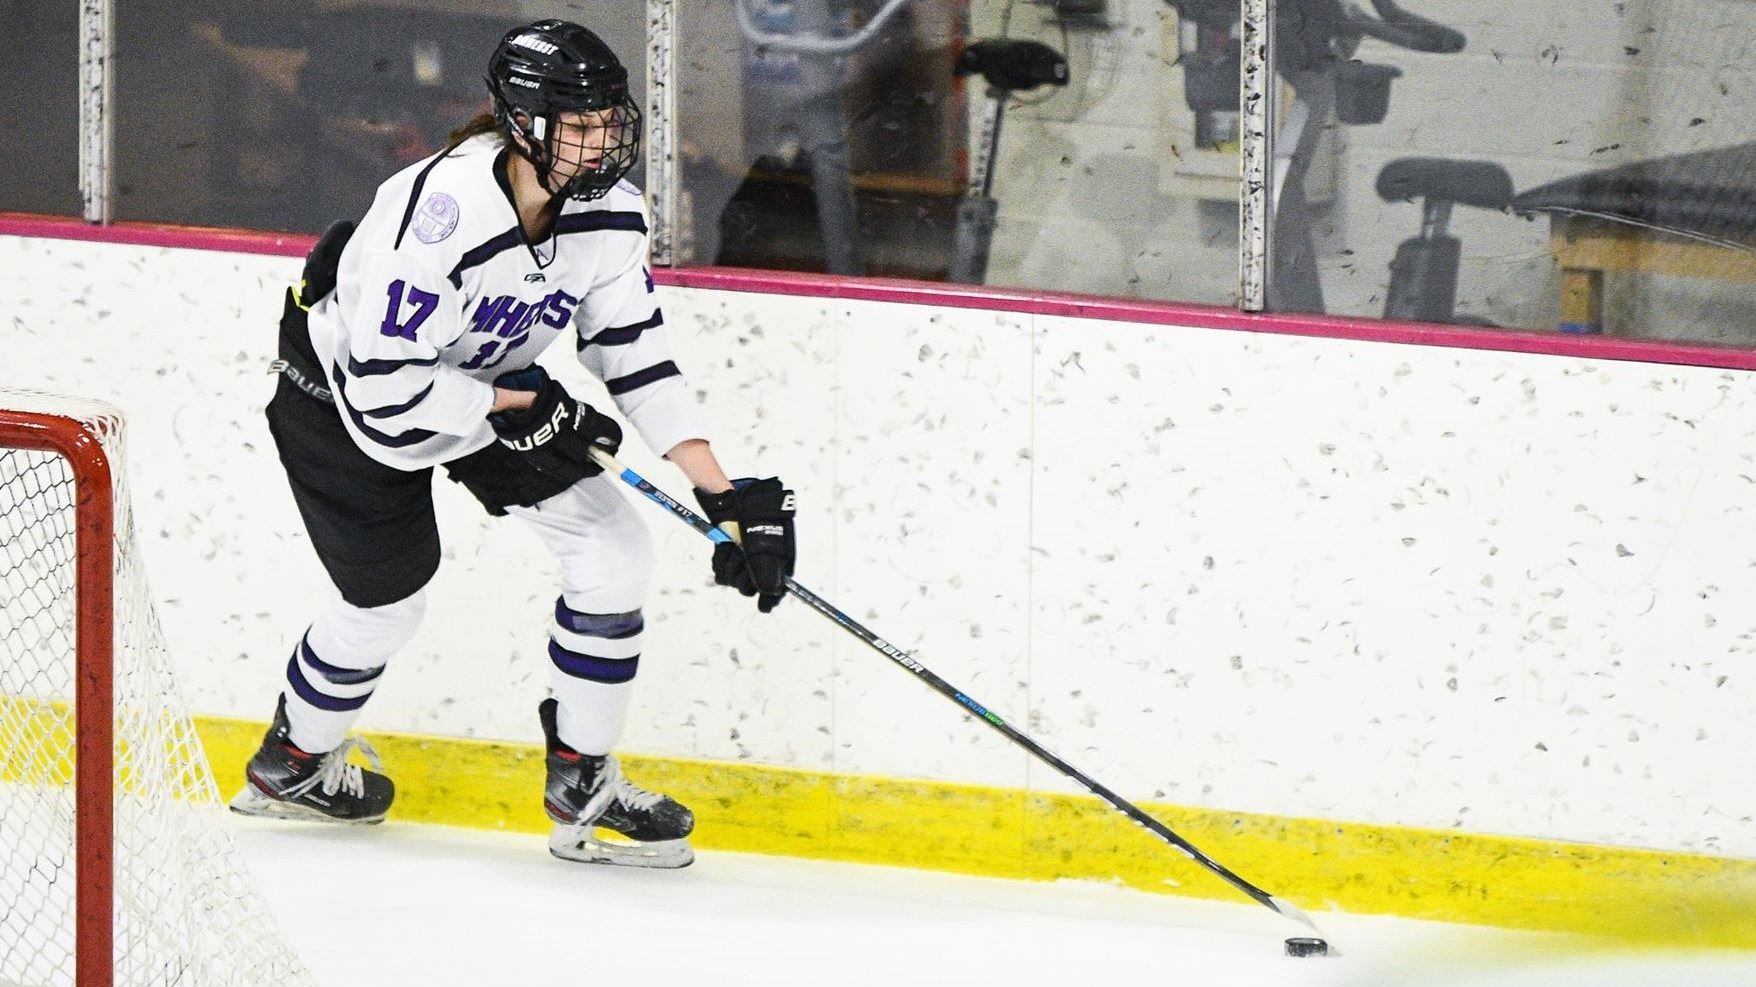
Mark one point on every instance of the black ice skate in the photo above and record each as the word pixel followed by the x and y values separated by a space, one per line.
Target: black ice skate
pixel 588 793
pixel 284 782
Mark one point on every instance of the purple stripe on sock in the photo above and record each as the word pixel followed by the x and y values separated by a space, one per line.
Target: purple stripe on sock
pixel 612 626
pixel 335 674
pixel 302 688
pixel 609 671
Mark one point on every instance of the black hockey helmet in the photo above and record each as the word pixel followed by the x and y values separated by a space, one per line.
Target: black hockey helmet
pixel 551 67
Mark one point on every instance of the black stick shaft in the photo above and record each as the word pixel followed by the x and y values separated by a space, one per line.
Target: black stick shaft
pixel 946 689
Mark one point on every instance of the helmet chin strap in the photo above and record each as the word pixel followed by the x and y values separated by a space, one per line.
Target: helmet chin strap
pixel 541 162
pixel 554 193
pixel 546 172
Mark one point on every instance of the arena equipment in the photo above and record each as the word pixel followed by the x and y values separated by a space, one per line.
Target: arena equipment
pixel 1695 200
pixel 1315 41
pixel 802 63
pixel 969 705
pixel 114 868
pixel 1008 66
pixel 1423 275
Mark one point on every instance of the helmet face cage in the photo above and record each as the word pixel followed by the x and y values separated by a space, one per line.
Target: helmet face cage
pixel 561 90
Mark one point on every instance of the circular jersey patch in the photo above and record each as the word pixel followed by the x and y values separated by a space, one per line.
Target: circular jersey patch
pixel 436 219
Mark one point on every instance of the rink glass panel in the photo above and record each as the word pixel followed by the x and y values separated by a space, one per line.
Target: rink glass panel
pixel 1588 109
pixel 39 109
pixel 1100 185
pixel 286 115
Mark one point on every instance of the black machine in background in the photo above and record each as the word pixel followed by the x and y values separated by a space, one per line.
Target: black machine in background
pixel 1699 202
pixel 1008 66
pixel 1315 41
pixel 1701 196
pixel 1423 275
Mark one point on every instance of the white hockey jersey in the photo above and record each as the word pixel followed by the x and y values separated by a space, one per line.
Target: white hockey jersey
pixel 439 293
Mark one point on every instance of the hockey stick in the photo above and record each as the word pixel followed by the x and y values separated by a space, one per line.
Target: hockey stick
pixel 945 689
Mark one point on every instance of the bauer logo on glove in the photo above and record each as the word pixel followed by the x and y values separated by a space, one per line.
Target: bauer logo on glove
pixel 758 514
pixel 556 434
pixel 541 436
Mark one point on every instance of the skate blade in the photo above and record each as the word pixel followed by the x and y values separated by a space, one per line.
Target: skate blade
pixel 583 847
pixel 252 802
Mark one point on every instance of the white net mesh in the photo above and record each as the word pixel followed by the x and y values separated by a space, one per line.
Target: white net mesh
pixel 185 913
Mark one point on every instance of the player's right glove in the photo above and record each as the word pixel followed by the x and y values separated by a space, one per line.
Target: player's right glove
pixel 759 515
pixel 556 434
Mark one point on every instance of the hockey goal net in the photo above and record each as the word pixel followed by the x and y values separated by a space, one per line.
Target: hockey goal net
pixel 114 866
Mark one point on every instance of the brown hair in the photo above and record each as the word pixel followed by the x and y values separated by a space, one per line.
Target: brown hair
pixel 481 123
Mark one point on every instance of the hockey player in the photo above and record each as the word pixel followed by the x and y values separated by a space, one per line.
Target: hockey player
pixel 410 344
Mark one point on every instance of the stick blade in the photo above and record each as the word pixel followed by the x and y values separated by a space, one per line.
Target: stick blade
pixel 1293 912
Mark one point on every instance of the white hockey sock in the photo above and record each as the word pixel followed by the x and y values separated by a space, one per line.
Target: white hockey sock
pixel 593 658
pixel 336 665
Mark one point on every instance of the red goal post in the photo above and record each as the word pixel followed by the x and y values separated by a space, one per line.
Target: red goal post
pixel 116 866
pixel 94 641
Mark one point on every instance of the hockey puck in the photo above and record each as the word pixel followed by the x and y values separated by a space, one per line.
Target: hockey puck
pixel 1307 946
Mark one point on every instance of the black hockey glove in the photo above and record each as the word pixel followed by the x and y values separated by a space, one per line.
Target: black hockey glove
pixel 759 514
pixel 555 435
pixel 531 378
pixel 321 264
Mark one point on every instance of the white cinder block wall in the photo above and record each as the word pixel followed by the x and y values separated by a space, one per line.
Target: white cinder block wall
pixel 1397 584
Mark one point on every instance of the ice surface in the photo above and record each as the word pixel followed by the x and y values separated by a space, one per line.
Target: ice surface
pixel 427 905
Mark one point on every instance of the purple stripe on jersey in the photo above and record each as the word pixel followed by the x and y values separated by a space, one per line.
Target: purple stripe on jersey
pixel 378 368
pixel 581 222
pixel 600 219
pixel 609 671
pixel 408 211
pixel 613 626
pixel 396 441
pixel 623 335
pixel 477 256
pixel 391 410
pixel 333 673
pixel 641 378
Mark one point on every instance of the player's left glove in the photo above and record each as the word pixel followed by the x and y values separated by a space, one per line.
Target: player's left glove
pixel 759 515
pixel 556 434
pixel 322 263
